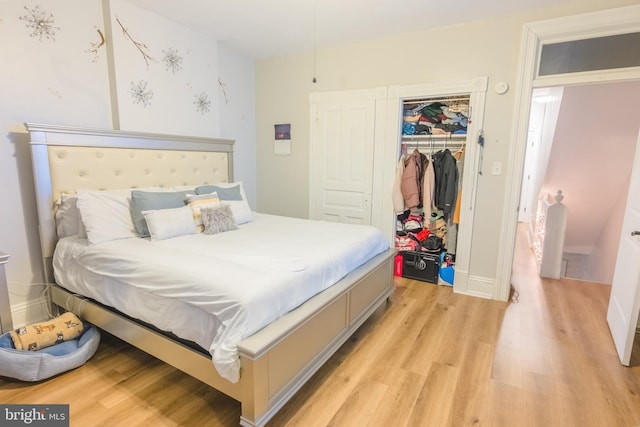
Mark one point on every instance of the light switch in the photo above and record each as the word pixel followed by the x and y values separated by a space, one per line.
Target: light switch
pixel 496 168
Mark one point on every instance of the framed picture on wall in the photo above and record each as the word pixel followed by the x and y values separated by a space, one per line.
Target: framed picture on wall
pixel 282 131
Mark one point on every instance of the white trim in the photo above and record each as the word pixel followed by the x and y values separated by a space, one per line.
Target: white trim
pixel 580 249
pixel 477 89
pixel 603 23
pixel 33 311
pixel 476 286
pixel 609 22
pixel 586 77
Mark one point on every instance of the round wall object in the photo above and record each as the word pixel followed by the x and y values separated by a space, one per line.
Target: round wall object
pixel 501 88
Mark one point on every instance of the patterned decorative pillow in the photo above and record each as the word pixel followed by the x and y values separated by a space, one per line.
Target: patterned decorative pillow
pixel 199 202
pixel 218 220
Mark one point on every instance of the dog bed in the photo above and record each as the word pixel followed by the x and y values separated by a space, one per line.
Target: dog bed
pixel 49 361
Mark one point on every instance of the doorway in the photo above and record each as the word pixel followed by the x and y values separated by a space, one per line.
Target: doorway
pixel 536 36
pixel 581 140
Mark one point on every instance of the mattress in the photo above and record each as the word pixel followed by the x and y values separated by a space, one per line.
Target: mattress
pixel 216 290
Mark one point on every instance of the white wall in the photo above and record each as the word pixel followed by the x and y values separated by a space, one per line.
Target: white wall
pixel 237 104
pixel 480 48
pixel 59 81
pixel 142 55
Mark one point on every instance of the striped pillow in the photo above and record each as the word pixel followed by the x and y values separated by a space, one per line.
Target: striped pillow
pixel 198 202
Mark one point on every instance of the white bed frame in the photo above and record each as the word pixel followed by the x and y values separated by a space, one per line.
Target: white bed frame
pixel 276 361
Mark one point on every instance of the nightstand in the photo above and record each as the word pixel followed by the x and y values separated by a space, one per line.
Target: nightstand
pixel 6 324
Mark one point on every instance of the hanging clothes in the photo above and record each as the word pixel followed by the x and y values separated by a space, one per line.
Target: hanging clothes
pixel 428 186
pixel 411 184
pixel 446 189
pixel 459 156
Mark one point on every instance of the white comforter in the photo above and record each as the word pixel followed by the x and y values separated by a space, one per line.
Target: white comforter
pixel 217 290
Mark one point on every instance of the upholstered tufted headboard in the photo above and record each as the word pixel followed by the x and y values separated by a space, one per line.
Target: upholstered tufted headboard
pixel 66 159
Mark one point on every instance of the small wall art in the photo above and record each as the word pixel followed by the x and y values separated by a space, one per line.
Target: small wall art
pixel 282 143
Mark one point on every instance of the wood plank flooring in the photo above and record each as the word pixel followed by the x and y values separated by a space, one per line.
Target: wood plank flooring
pixel 430 358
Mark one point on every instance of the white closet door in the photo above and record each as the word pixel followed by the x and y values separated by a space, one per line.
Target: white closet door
pixel 342 156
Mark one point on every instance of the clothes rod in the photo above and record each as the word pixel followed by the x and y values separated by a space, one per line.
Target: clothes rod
pixel 437 99
pixel 436 137
pixel 422 145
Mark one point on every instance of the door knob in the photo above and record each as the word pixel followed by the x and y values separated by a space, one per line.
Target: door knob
pixel 635 233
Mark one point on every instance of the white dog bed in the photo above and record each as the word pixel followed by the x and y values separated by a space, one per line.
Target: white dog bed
pixel 49 361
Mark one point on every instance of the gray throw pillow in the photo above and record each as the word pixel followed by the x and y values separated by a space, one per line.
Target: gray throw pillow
pixel 218 220
pixel 224 193
pixel 152 201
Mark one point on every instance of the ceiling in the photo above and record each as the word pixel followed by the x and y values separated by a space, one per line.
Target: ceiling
pixel 270 28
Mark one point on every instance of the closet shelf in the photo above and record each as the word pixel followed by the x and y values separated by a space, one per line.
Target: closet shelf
pixel 427 138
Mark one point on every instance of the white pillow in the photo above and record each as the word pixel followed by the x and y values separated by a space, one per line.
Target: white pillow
pixel 67 216
pixel 167 223
pixel 241 211
pixel 106 215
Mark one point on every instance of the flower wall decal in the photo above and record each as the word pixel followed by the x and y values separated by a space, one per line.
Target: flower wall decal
pixel 41 23
pixel 172 60
pixel 140 93
pixel 202 102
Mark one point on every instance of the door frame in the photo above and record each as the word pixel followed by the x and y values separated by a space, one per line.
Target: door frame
pixel 476 88
pixel 578 27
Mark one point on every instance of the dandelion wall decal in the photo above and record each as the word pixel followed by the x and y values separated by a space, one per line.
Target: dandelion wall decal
pixel 172 60
pixel 41 23
pixel 94 46
pixel 140 93
pixel 202 102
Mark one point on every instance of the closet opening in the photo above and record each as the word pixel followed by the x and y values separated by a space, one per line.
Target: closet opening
pixel 427 194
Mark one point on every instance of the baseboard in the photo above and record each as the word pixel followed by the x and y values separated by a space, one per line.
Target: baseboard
pixel 482 287
pixel 477 286
pixel 33 311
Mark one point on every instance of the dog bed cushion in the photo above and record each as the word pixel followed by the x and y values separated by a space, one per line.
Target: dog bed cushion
pixel 49 361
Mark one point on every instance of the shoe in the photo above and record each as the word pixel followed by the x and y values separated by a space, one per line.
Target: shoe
pixel 413 226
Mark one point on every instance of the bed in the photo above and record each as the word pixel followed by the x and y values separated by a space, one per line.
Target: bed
pixel 257 356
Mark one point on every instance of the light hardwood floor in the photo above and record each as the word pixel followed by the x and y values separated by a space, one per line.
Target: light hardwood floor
pixel 431 358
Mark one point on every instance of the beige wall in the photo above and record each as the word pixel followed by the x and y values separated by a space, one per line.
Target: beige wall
pixel 481 48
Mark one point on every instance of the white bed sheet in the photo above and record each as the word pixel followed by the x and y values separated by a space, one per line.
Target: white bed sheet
pixel 217 290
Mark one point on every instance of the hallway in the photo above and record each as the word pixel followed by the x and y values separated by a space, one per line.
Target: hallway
pixel 555 355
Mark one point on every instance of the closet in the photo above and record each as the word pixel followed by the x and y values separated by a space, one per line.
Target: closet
pixel 427 191
pixel 356 140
